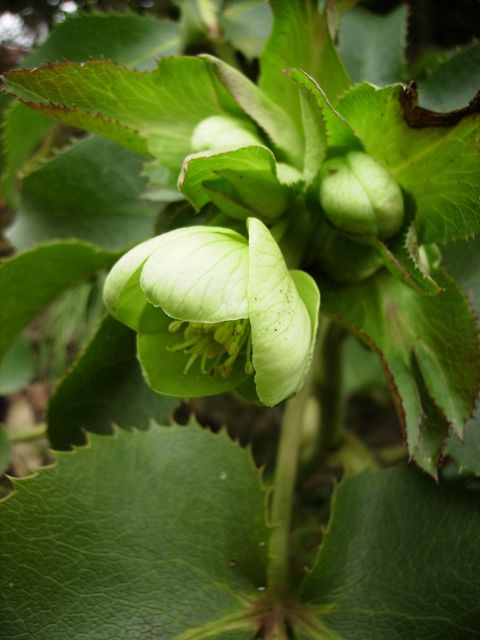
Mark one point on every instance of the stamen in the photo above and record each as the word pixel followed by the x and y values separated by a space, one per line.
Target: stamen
pixel 224 342
pixel 174 326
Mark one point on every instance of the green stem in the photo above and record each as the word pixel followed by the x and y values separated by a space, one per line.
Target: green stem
pixel 284 487
pixel 27 435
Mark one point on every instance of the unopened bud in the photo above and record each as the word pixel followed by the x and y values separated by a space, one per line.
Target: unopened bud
pixel 360 196
pixel 221 133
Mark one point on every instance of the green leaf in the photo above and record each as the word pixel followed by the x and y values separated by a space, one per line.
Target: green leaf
pixel 466 451
pixel 247 25
pixel 159 532
pixel 403 258
pixel 245 179
pixel 23 129
pixel 429 348
pixel 373 46
pixel 104 387
pixel 135 109
pixel 453 84
pixel 300 38
pixel 438 166
pixel 269 114
pixel 90 191
pixel 16 367
pixel 126 39
pixel 462 261
pixel 400 559
pixel 339 133
pixel 129 39
pixel 32 279
pixel 5 450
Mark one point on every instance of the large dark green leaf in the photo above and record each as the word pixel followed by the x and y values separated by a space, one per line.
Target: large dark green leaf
pixel 372 46
pixel 91 191
pixel 452 84
pixel 156 534
pixel 129 39
pixel 429 348
pixel 31 280
pixel 400 560
pixel 462 260
pixel 438 166
pixel 466 451
pixel 104 387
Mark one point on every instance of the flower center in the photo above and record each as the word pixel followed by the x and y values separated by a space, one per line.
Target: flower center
pixel 217 345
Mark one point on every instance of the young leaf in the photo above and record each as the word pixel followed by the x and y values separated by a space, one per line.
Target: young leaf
pixel 104 387
pixel 246 177
pixel 269 114
pixel 339 133
pixel 399 560
pixel 300 38
pixel 31 280
pixel 438 166
pixel 427 344
pixel 159 532
pixel 372 46
pixel 90 191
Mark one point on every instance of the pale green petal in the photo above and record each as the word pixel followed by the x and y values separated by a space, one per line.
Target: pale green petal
pixel 283 328
pixel 199 274
pixel 122 294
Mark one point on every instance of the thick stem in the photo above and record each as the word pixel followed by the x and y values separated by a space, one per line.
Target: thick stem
pixel 283 494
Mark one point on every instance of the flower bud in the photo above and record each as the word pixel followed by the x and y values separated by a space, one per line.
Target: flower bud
pixel 360 196
pixel 220 133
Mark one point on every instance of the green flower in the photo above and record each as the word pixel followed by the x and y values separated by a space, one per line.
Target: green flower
pixel 213 310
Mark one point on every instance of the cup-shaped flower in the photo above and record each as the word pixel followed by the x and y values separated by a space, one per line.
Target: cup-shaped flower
pixel 212 310
pixel 360 196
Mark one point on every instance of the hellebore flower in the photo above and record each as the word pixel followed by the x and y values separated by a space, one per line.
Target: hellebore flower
pixel 213 310
pixel 360 196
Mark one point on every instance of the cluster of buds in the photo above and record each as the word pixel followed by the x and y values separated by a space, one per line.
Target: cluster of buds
pixel 235 310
